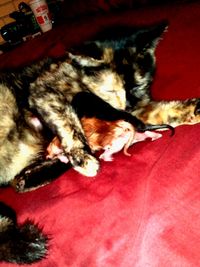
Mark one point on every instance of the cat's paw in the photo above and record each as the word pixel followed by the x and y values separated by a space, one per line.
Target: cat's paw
pixel 19 184
pixel 89 167
pixel 85 164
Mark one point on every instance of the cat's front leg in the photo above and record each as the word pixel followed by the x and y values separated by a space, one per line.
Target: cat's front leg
pixel 38 174
pixel 54 111
pixel 175 113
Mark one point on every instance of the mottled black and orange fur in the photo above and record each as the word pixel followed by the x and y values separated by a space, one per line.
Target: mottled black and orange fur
pixel 105 84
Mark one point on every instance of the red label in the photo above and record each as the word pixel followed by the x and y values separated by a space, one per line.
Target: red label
pixel 41 8
pixel 40 20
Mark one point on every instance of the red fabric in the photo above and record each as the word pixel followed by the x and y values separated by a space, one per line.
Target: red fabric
pixel 78 8
pixel 72 9
pixel 142 210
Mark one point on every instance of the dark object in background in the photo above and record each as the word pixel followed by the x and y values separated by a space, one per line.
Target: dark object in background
pixel 24 24
pixel 55 7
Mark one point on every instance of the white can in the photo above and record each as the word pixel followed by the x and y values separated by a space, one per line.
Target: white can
pixel 41 12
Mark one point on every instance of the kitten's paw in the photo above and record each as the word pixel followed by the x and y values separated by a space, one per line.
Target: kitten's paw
pixel 106 157
pixel 85 164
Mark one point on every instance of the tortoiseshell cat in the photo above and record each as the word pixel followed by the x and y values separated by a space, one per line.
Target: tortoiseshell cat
pixel 108 78
pixel 59 92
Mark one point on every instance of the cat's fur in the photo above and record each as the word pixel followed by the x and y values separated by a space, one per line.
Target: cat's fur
pixel 108 78
pixel 59 92
pixel 20 244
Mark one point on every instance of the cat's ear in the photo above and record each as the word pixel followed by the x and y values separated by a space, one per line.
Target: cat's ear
pixel 149 38
pixel 90 48
pixel 121 37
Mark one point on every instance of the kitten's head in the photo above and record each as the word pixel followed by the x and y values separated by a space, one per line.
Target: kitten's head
pixel 131 52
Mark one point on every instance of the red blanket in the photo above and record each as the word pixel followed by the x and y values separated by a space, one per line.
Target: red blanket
pixel 142 210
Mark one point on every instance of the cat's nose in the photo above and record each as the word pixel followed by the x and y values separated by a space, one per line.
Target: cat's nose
pixel 197 108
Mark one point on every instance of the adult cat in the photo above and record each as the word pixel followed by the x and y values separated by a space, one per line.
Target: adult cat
pixel 107 78
pixel 104 84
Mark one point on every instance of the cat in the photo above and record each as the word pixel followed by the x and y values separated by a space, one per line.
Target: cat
pixel 107 78
pixel 58 91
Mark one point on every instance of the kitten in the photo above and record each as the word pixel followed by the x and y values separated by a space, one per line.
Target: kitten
pixel 101 135
pixel 108 136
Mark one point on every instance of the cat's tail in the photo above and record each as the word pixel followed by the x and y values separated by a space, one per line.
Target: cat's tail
pixel 21 244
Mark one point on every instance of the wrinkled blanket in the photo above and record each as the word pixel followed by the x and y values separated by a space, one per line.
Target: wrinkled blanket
pixel 142 210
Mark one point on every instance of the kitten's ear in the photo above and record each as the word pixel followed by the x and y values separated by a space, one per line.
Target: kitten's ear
pixel 150 37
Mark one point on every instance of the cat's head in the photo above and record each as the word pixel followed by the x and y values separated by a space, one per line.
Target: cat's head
pixel 131 52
